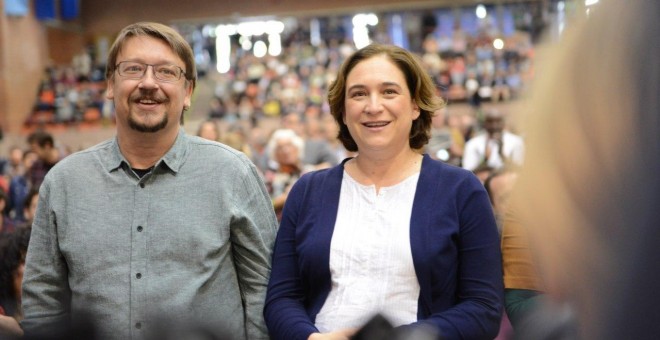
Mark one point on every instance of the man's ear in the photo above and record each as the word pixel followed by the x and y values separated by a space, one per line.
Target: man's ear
pixel 187 101
pixel 109 92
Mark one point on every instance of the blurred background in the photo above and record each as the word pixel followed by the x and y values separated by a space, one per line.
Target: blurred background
pixel 260 59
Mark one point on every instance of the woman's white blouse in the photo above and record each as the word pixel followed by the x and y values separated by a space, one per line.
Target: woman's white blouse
pixel 371 264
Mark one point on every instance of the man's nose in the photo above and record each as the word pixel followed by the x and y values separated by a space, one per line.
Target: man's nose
pixel 149 78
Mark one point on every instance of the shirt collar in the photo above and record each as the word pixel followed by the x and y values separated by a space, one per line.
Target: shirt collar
pixel 173 158
pixel 176 154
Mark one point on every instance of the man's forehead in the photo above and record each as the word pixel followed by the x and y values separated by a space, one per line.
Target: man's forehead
pixel 493 113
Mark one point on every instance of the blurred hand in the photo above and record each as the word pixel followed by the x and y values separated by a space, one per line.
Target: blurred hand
pixel 499 140
pixel 344 334
pixel 497 137
pixel 9 326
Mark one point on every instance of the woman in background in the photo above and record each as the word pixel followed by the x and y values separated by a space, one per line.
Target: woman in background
pixel 285 149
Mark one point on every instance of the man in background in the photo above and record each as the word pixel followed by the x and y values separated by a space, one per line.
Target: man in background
pixel 495 147
pixel 43 145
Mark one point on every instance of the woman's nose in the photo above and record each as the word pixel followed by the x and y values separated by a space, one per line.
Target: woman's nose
pixel 373 105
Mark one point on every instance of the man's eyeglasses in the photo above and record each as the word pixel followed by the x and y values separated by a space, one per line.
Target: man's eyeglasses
pixel 135 70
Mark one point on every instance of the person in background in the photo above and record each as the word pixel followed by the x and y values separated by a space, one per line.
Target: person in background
pixel 43 145
pixel 209 129
pixel 5 166
pixel 499 186
pixel 7 225
pixel 152 229
pixel 14 165
pixel 257 141
pixel 331 134
pixel 285 149
pixel 501 90
pixel 19 188
pixel 590 184
pixel 494 148
pixel 446 143
pixel 30 206
pixel 522 281
pixel 390 231
pixel 317 150
pixel 237 138
pixel 4 183
pixel 12 252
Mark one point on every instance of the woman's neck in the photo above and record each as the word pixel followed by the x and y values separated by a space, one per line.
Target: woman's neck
pixel 384 172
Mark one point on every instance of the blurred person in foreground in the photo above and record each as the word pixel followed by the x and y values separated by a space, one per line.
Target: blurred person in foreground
pixel 590 183
pixel 390 231
pixel 152 229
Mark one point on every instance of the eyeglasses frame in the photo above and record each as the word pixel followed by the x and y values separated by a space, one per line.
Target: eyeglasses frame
pixel 153 69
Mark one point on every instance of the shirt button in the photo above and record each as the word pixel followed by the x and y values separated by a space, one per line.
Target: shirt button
pixel 138 275
pixel 138 325
pixel 139 228
pixel 141 185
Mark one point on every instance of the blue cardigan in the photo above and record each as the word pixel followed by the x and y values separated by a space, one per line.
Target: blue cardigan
pixel 455 249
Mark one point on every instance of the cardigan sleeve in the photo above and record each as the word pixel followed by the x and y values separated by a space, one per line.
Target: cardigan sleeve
pixel 284 311
pixel 472 310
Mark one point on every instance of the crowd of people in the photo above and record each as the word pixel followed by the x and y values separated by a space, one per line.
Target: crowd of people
pixel 71 95
pixel 465 67
pixel 367 197
pixel 469 69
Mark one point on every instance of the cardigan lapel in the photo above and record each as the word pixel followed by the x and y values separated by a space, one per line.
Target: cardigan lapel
pixel 420 234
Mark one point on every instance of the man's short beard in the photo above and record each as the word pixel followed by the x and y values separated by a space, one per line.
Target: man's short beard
pixel 147 128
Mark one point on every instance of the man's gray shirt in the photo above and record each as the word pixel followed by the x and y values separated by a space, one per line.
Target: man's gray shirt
pixel 186 246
